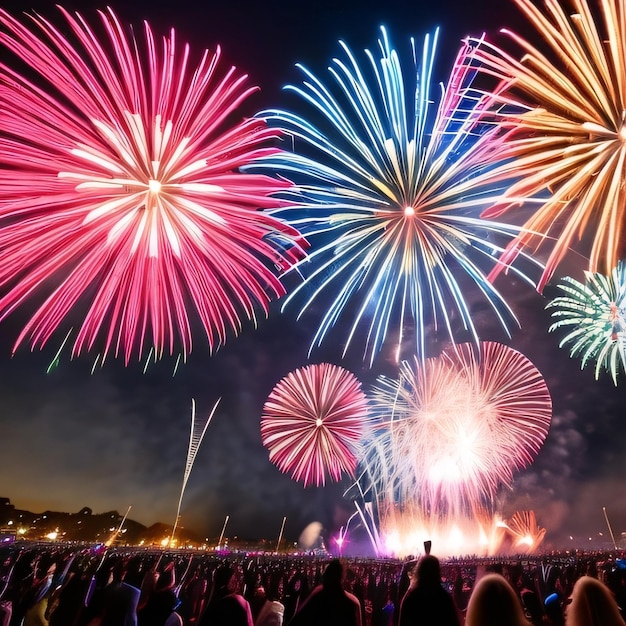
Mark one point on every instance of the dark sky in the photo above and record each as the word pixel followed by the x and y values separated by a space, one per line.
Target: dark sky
pixel 119 437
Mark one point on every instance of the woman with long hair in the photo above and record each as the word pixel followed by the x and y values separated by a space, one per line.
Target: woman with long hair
pixel 592 604
pixel 494 602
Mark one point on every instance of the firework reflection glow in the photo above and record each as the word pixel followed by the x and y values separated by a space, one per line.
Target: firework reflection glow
pixel 446 436
pixel 123 213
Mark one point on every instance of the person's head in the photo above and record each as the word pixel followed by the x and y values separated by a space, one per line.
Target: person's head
pixel 224 576
pixel 166 579
pixel 119 570
pixel 592 604
pixel 494 602
pixel 333 575
pixel 428 571
pixel 273 590
pixel 45 566
pixel 553 605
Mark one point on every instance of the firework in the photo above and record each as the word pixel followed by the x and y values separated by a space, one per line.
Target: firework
pixel 121 199
pixel 450 432
pixel 312 422
pixel 390 183
pixel 526 533
pixel 594 314
pixel 198 430
pixel 562 116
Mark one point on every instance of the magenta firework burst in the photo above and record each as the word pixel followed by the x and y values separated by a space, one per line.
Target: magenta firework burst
pixel 312 422
pixel 123 212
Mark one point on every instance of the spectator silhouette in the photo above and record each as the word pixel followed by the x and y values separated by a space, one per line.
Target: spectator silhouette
pixel 458 590
pixel 162 601
pixel 6 573
pixel 192 595
pixel 592 604
pixel 494 602
pixel 40 593
pixel 295 594
pixel 427 603
pixel 554 610
pixel 67 604
pixel 272 611
pixel 225 607
pixel 119 600
pixel 530 600
pixel 329 604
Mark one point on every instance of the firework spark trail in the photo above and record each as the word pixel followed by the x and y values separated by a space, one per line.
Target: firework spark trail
pixel 594 315
pixel 312 421
pixel 198 430
pixel 120 195
pixel 450 432
pixel 390 182
pixel 564 134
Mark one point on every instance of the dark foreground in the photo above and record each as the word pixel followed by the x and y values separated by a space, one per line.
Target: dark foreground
pixel 65 585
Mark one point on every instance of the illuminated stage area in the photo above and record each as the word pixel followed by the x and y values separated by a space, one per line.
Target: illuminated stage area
pixel 405 534
pixel 444 437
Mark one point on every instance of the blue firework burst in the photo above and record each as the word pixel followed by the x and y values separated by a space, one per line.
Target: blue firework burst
pixel 390 181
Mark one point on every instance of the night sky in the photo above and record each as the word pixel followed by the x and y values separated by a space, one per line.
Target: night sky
pixel 118 437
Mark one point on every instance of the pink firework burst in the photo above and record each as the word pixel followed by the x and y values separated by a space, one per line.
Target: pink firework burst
pixel 312 422
pixel 121 200
pixel 451 431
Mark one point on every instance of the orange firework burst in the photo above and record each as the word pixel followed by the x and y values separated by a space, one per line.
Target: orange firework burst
pixel 562 114
pixel 526 533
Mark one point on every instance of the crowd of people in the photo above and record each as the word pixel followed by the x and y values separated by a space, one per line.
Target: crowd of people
pixel 96 586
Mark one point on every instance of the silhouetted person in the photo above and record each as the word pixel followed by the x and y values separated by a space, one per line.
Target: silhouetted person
pixel 458 590
pixel 6 572
pixel 592 604
pixel 494 602
pixel 295 594
pixel 329 604
pixel 555 616
pixel 530 600
pixel 119 600
pixel 42 585
pixel 69 599
pixel 427 603
pixel 162 601
pixel 272 611
pixel 225 606
pixel 192 596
